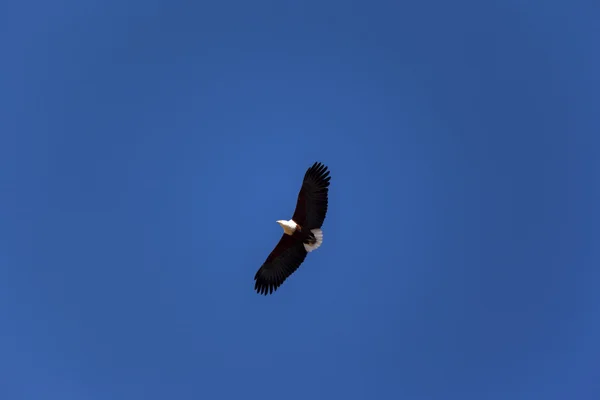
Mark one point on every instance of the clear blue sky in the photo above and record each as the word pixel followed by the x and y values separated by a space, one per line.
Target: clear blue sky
pixel 147 149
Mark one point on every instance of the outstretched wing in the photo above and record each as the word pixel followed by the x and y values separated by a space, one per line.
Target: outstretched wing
pixel 283 261
pixel 312 203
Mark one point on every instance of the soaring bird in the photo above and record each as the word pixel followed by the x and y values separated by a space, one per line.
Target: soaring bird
pixel 301 235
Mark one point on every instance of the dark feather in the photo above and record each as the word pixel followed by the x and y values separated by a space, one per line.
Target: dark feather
pixel 283 261
pixel 312 204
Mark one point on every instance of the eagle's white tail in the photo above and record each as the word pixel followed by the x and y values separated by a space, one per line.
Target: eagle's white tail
pixel 319 236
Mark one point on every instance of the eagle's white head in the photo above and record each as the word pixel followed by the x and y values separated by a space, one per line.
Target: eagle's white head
pixel 288 226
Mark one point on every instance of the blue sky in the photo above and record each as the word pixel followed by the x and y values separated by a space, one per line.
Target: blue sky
pixel 147 149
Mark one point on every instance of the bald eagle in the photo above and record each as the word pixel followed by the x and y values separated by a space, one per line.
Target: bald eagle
pixel 301 234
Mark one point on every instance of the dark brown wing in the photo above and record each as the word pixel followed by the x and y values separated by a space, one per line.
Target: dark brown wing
pixel 312 203
pixel 285 258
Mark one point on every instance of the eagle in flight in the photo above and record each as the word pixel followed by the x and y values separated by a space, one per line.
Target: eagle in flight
pixel 301 235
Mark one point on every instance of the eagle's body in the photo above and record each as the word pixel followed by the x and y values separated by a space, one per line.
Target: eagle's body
pixel 301 234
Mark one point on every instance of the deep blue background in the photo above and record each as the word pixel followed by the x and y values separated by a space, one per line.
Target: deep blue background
pixel 147 149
